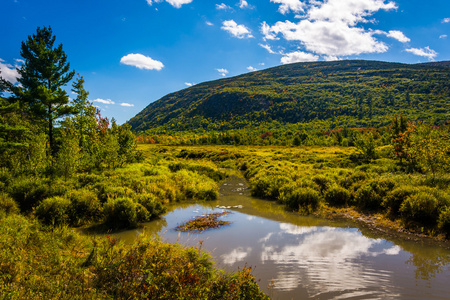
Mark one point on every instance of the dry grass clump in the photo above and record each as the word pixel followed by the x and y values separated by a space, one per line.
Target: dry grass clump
pixel 202 223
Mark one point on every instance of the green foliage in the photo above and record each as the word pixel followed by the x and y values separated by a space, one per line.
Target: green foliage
pixel 444 220
pixel 85 207
pixel 395 198
pixel 365 144
pixel 120 213
pixel 152 205
pixel 301 199
pixel 54 211
pixel 28 191
pixel 422 207
pixel 431 147
pixel 337 196
pixel 370 195
pixel 42 76
pixel 7 204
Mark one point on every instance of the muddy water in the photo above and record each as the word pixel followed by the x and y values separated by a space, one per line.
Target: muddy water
pixel 299 257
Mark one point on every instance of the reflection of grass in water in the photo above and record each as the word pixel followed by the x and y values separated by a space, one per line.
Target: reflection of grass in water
pixel 202 223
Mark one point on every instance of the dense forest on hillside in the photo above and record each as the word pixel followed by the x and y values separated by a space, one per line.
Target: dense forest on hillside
pixel 342 94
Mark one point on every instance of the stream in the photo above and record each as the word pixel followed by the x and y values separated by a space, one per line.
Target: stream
pixel 301 257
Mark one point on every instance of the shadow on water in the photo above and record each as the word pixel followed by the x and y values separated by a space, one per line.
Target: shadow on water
pixel 303 257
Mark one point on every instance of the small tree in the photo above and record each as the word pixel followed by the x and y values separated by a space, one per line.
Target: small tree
pixel 431 146
pixel 365 144
pixel 401 131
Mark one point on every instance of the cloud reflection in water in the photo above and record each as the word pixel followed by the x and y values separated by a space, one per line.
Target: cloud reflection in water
pixel 325 260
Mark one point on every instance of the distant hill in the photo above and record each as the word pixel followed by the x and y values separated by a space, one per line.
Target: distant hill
pixel 367 92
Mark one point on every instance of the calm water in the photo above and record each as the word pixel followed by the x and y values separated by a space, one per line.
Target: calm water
pixel 309 258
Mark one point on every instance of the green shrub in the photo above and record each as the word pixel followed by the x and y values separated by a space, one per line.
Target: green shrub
pixel 301 199
pixel 422 207
pixel 108 190
pixel 444 220
pixel 120 213
pixel 7 204
pixel 337 195
pixel 395 198
pixel 152 205
pixel 54 210
pixel 28 191
pixel 85 206
pixel 268 186
pixel 323 182
pixel 371 194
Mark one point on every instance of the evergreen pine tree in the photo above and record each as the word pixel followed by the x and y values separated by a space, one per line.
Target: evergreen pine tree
pixel 42 77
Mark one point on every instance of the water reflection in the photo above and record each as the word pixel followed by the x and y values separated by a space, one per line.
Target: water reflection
pixel 326 260
pixel 310 258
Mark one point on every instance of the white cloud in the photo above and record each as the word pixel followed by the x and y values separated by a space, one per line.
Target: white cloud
pixel 222 6
pixel 425 52
pixel 446 20
pixel 268 35
pixel 222 72
pixel 251 69
pixel 298 56
pixel 189 83
pixel 107 101
pixel 268 48
pixel 174 3
pixel 9 72
pixel 331 28
pixel 142 62
pixel 289 5
pixel 244 4
pixel 239 31
pixel 444 36
pixel 350 12
pixel 209 23
pixel 126 104
pixel 399 36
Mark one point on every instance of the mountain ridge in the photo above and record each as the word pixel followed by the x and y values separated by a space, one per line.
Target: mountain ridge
pixel 303 92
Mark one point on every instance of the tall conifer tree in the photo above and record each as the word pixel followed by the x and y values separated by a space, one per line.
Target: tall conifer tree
pixel 42 77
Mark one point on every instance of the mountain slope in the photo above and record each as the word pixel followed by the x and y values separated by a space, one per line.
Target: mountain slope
pixel 362 90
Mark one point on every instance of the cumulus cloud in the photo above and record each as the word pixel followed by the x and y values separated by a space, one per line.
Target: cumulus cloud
pixel 189 83
pixel 243 4
pixel 425 52
pixel 142 62
pixel 444 36
pixel 126 104
pixel 268 35
pixel 239 31
pixel 209 23
pixel 103 101
pixel 268 48
pixel 174 3
pixel 332 28
pixel 446 20
pixel 399 36
pixel 298 56
pixel 222 72
pixel 251 69
pixel 222 6
pixel 9 72
pixel 289 5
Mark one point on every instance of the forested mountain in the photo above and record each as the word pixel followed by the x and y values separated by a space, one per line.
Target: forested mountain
pixel 360 92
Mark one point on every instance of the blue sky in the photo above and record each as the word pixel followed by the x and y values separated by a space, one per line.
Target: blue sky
pixel 134 52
